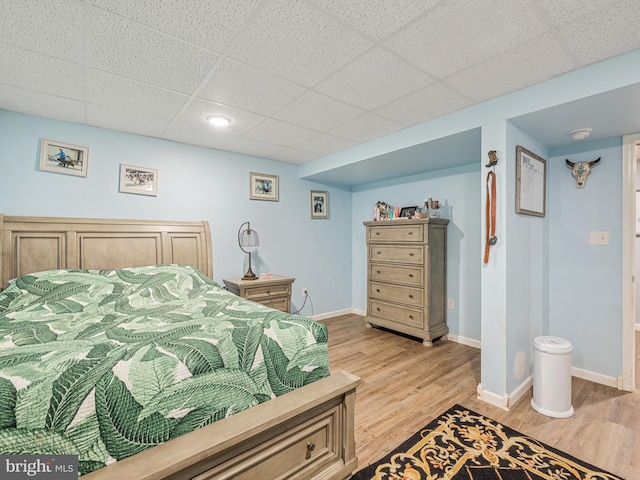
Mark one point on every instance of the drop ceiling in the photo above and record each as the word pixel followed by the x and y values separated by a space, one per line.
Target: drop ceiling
pixel 300 79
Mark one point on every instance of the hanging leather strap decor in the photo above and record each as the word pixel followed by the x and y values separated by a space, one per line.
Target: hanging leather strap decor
pixel 490 208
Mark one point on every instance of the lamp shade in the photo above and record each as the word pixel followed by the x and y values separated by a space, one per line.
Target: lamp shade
pixel 248 238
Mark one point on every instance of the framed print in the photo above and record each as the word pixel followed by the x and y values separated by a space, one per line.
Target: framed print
pixel 138 180
pixel 319 204
pixel 59 157
pixel 263 187
pixel 408 212
pixel 531 183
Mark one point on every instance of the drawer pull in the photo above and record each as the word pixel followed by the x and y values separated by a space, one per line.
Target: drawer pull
pixel 377 233
pixel 411 254
pixel 411 317
pixel 378 272
pixel 377 290
pixel 310 448
pixel 379 252
pixel 410 233
pixel 268 292
pixel 378 309
pixel 410 275
pixel 411 296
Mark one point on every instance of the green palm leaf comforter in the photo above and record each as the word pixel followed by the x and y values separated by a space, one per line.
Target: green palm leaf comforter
pixel 107 363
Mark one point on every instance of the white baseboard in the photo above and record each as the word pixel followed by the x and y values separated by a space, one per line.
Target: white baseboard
pixel 638 326
pixel 345 311
pixel 470 342
pixel 594 377
pixel 507 401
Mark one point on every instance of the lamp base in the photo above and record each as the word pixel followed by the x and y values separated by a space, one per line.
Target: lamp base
pixel 250 275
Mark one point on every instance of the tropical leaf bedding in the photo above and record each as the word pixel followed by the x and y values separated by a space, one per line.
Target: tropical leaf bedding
pixel 107 363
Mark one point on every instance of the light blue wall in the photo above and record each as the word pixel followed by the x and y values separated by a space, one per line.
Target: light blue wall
pixel 457 190
pixel 585 281
pixel 194 184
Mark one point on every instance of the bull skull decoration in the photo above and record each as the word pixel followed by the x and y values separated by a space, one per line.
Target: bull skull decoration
pixel 581 170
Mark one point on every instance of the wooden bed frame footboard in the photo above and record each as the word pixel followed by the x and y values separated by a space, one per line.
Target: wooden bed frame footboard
pixel 307 434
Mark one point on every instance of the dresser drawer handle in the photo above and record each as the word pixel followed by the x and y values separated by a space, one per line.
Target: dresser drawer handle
pixel 377 309
pixel 378 272
pixel 411 296
pixel 268 292
pixel 411 317
pixel 410 275
pixel 411 254
pixel 377 233
pixel 379 252
pixel 377 290
pixel 310 448
pixel 410 233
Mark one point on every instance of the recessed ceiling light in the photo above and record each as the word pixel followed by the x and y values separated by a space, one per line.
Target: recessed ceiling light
pixel 580 133
pixel 218 120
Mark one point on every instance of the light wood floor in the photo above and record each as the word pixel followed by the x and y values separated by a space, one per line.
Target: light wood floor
pixel 405 386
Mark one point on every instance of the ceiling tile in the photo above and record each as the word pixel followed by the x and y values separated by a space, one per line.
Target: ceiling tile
pixel 279 133
pixel 366 127
pixel 298 42
pixel 316 111
pixel 565 11
pixel 251 147
pixel 477 29
pixel 428 103
pixel 119 120
pixel 40 104
pixel 373 80
pixel 237 84
pixel 324 144
pixel 197 111
pixel 42 73
pixel 291 155
pixel 377 19
pixel 209 24
pixel 129 95
pixel 196 135
pixel 513 70
pixel 53 27
pixel 128 49
pixel 613 31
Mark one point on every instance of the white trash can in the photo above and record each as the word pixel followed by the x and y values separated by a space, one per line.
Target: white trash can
pixel 552 377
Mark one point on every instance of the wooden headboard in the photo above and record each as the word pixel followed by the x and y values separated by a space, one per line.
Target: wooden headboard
pixel 31 244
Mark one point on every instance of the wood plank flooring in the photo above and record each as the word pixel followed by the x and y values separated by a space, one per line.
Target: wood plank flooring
pixel 405 386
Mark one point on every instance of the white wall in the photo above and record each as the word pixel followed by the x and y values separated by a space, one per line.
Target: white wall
pixel 194 183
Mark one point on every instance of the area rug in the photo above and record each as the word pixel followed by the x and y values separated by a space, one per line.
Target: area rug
pixel 464 445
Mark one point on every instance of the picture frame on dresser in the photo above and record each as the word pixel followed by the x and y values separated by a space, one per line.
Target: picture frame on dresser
pixel 65 158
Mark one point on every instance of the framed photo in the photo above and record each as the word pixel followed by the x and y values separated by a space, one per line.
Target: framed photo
pixel 319 204
pixel 531 183
pixel 408 211
pixel 138 180
pixel 263 187
pixel 59 157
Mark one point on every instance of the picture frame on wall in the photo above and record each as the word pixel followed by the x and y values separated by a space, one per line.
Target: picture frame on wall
pixel 65 158
pixel 138 180
pixel 531 183
pixel 319 204
pixel 263 187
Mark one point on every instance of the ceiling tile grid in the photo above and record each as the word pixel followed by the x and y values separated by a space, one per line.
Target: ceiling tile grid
pixel 299 79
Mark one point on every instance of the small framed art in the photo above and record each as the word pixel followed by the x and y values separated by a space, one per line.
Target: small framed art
pixel 531 183
pixel 59 157
pixel 138 180
pixel 319 204
pixel 263 187
pixel 408 212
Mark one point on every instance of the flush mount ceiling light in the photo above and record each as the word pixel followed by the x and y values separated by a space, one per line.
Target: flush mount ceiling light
pixel 580 133
pixel 218 120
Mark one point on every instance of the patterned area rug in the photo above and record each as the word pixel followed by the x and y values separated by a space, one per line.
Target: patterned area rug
pixel 464 445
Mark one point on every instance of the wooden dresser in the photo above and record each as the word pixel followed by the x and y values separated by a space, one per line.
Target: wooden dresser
pixel 407 277
pixel 273 292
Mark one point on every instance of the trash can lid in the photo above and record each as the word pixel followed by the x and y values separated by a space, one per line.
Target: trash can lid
pixel 554 345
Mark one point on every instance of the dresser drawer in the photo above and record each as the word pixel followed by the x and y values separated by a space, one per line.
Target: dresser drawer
pixel 294 455
pixel 392 273
pixel 396 254
pixel 397 233
pixel 260 293
pixel 395 293
pixel 395 313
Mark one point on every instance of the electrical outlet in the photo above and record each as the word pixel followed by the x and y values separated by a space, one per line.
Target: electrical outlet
pixel 450 304
pixel 304 293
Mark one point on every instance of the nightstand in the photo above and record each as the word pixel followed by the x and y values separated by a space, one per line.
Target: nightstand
pixel 274 292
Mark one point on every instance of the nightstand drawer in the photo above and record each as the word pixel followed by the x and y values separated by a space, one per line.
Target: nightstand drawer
pixel 280 303
pixel 395 313
pixel 396 254
pixel 394 293
pixel 392 273
pixel 260 293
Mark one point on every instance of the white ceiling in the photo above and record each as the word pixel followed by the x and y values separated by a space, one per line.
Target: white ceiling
pixel 300 79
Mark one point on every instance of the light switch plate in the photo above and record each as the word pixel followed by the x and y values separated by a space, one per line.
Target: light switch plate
pixel 599 238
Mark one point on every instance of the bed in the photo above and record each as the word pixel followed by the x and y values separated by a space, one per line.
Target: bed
pixel 118 308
